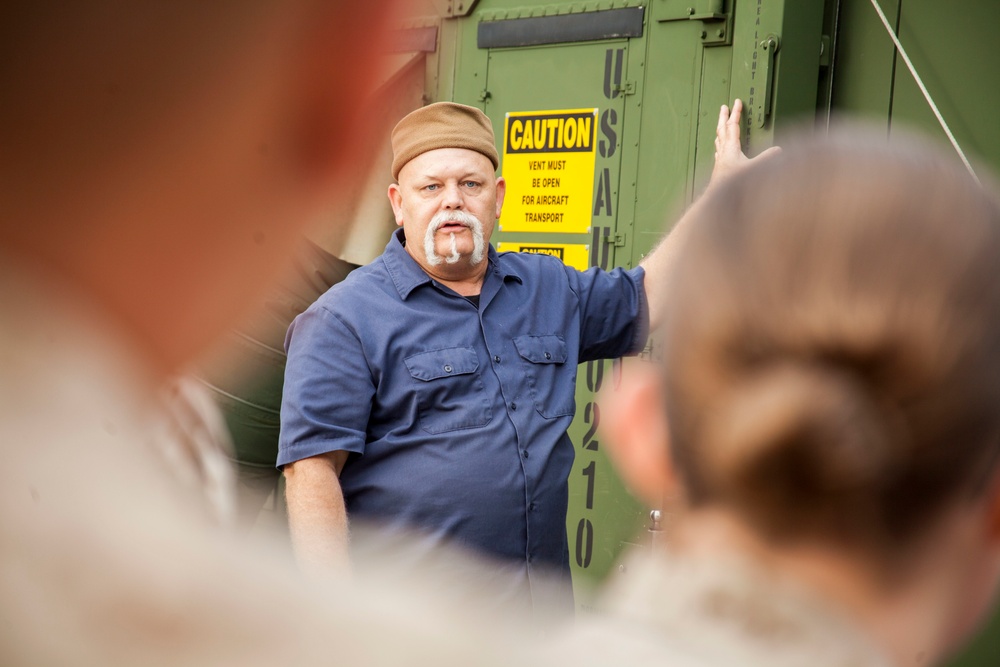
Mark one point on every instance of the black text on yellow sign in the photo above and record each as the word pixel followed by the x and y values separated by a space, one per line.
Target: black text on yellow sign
pixel 576 255
pixel 551 132
pixel 548 162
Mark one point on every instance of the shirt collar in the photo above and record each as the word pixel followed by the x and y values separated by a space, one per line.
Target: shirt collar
pixel 407 275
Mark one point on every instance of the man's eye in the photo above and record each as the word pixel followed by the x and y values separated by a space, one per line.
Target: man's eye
pixel 431 187
pixel 471 184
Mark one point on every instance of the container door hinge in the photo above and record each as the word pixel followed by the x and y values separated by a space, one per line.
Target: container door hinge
pixel 617 240
pixel 716 22
pixel 627 88
pixel 454 8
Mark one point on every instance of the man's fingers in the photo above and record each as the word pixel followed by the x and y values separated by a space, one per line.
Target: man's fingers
pixel 734 117
pixel 723 117
pixel 733 123
pixel 727 132
pixel 729 155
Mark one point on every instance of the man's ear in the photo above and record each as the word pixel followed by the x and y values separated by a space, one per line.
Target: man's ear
pixel 396 201
pixel 501 190
pixel 635 432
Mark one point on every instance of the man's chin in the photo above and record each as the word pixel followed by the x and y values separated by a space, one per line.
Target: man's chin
pixel 456 260
pixel 462 259
pixel 444 249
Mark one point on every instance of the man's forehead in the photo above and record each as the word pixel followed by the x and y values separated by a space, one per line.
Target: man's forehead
pixel 447 162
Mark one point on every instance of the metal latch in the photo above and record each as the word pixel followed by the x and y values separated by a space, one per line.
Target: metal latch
pixel 764 55
pixel 717 23
pixel 617 240
pixel 627 88
pixel 694 10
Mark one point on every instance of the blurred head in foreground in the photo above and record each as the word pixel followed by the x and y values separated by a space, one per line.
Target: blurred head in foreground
pixel 831 384
pixel 162 158
pixel 158 162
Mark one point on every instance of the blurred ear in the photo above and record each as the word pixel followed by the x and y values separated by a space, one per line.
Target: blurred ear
pixel 635 433
pixel 993 510
pixel 982 560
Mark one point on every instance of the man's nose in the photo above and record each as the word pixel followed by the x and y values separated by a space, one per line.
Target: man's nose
pixel 452 199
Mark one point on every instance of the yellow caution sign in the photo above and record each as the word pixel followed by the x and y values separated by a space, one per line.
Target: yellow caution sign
pixel 548 163
pixel 576 255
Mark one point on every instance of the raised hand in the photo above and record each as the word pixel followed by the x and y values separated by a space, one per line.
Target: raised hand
pixel 729 155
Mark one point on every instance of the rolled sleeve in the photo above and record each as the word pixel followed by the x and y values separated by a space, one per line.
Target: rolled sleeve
pixel 328 389
pixel 614 311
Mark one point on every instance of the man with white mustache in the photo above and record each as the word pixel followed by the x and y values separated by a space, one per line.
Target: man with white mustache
pixel 431 390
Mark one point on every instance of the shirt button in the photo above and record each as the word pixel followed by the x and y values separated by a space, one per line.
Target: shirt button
pixel 513 406
pixel 496 358
pixel 447 369
pixel 524 453
pixel 548 356
pixel 531 507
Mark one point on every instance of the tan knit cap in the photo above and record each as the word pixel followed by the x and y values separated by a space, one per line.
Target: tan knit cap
pixel 442 125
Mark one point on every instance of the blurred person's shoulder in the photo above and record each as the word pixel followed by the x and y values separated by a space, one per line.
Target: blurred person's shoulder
pixel 79 402
pixel 715 612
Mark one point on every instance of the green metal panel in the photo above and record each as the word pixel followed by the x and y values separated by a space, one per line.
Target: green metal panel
pixel 963 82
pixel 795 33
pixel 470 62
pixel 864 64
pixel 689 74
pixel 870 80
pixel 666 141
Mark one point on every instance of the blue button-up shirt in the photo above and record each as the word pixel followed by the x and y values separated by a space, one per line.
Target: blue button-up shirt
pixel 456 416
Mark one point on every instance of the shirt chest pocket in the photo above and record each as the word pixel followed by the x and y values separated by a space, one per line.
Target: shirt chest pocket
pixel 552 380
pixel 449 389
